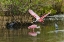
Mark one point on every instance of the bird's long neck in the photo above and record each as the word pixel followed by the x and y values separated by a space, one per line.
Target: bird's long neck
pixel 41 20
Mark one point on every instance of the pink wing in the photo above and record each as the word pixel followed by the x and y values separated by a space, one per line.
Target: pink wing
pixel 34 14
pixel 46 15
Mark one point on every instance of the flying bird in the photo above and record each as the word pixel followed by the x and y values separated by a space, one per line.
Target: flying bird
pixel 39 19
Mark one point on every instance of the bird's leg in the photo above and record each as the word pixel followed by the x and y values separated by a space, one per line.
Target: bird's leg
pixel 33 29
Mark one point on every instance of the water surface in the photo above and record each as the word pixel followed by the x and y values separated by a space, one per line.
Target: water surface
pixel 48 33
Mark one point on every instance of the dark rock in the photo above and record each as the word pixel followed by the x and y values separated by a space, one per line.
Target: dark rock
pixel 13 25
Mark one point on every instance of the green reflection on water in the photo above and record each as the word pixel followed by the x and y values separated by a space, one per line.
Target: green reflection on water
pixel 21 35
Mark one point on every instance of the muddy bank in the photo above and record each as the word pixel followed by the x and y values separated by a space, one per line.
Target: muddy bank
pixel 20 18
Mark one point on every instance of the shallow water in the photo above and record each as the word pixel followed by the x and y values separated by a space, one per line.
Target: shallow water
pixel 47 33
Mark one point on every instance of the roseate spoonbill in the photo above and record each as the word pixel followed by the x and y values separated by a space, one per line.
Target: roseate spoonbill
pixel 33 27
pixel 39 19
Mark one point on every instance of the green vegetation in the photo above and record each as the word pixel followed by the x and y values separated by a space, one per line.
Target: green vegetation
pixel 17 7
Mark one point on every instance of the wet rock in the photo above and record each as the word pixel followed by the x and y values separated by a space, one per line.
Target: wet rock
pixel 13 25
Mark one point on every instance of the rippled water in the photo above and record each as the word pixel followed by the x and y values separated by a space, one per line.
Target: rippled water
pixel 47 33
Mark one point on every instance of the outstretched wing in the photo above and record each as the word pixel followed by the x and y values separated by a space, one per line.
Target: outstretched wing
pixel 33 14
pixel 46 15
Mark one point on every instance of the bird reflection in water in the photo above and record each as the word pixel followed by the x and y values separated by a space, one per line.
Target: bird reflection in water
pixel 33 33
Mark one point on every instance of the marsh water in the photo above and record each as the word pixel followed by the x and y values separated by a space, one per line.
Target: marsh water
pixel 48 33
